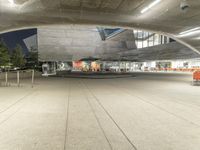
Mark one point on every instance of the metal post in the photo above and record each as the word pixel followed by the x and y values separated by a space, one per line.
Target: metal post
pixel 6 78
pixel 18 82
pixel 33 74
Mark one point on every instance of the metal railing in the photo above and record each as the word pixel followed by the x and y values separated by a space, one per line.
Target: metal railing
pixel 15 78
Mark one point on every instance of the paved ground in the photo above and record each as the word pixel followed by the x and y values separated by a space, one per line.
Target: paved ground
pixel 149 112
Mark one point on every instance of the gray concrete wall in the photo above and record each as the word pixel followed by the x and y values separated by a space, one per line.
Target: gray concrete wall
pixel 67 43
pixel 170 51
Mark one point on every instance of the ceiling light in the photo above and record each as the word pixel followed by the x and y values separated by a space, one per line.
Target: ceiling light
pixel 190 32
pixel 150 6
pixel 11 2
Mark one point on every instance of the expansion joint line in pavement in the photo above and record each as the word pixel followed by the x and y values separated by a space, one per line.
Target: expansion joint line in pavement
pixel 67 116
pixel 178 99
pixel 16 102
pixel 109 115
pixel 158 107
pixel 17 110
pixel 97 119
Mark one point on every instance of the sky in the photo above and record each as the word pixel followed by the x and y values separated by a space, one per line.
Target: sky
pixel 16 37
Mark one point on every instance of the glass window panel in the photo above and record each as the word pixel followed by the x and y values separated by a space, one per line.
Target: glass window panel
pixel 148 39
pixel 136 42
pixel 145 43
pixel 140 44
pixel 151 41
pixel 156 39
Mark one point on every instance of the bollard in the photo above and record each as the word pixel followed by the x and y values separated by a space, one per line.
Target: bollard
pixel 33 74
pixel 6 78
pixel 18 82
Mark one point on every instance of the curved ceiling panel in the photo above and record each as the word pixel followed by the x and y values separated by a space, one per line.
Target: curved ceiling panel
pixel 154 15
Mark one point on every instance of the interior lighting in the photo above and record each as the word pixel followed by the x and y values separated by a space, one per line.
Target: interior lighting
pixel 154 3
pixel 190 32
pixel 11 2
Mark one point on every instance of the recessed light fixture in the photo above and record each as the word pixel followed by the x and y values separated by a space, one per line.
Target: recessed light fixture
pixel 11 2
pixel 190 32
pixel 150 6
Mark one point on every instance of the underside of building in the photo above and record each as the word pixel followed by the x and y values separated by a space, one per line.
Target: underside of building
pixel 99 75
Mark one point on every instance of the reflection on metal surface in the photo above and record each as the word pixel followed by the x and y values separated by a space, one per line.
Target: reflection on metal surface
pixel 150 6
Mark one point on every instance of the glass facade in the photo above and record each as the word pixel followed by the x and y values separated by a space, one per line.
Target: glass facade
pixel 147 39
pixel 106 33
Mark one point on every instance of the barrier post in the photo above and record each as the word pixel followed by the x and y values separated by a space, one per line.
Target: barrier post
pixel 6 78
pixel 18 82
pixel 33 74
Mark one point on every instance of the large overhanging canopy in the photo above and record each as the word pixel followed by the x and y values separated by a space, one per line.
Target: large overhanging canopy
pixel 163 16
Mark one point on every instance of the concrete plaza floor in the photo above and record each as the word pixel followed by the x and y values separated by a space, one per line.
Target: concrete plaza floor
pixel 149 112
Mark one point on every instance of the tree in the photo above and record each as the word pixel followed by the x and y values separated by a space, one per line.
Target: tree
pixel 32 58
pixel 18 59
pixel 4 54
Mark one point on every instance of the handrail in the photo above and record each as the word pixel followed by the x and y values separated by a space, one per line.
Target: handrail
pixel 5 77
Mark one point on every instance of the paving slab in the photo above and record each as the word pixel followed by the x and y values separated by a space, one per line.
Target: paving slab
pixel 149 112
